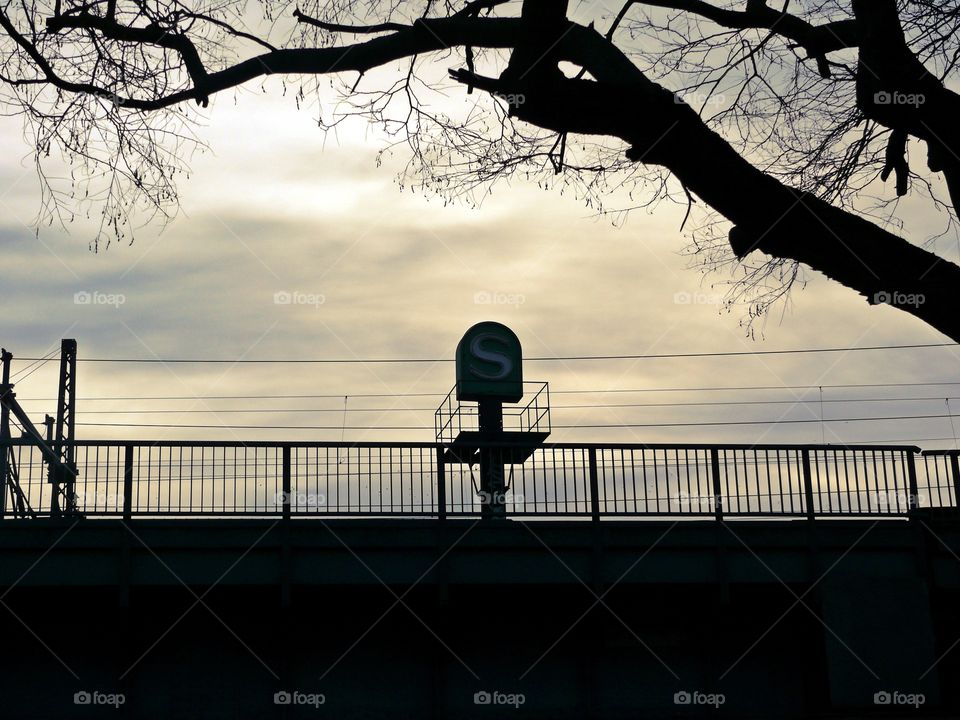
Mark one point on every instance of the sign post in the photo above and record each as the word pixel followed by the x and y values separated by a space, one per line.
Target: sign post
pixel 490 372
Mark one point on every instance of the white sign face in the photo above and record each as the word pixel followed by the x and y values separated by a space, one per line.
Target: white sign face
pixel 502 360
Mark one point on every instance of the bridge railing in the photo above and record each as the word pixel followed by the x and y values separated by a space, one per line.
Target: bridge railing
pixel 942 470
pixel 316 479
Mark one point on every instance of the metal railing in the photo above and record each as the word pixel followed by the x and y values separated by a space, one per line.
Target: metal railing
pixel 530 415
pixel 285 479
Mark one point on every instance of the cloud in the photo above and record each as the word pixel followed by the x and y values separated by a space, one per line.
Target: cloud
pixel 272 211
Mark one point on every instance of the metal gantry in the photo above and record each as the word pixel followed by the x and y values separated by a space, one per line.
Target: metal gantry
pixel 63 475
pixel 9 474
pixel 58 455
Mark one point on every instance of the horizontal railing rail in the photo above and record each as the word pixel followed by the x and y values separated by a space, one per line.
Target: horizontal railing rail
pixel 171 478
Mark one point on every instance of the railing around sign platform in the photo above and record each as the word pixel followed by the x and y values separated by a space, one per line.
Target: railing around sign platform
pixel 530 415
pixel 220 479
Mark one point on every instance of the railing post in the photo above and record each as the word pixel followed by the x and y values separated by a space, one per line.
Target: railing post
pixel 5 359
pixel 955 468
pixel 594 485
pixel 717 488
pixel 913 500
pixel 807 483
pixel 286 482
pixel 441 485
pixel 127 481
pixel 4 472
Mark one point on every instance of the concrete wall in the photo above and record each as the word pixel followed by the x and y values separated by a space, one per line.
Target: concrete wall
pixel 392 619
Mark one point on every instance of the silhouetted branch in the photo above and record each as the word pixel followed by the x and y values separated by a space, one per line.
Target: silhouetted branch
pixel 895 89
pixel 821 138
pixel 151 35
pixel 817 40
pixel 767 215
pixel 352 29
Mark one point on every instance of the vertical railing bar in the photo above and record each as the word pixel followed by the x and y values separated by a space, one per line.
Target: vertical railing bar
pixel 717 491
pixel 594 484
pixel 676 464
pixel 96 480
pixel 613 482
pixel 86 481
pixel 441 484
pixel 779 482
pixel 884 462
pixel 876 472
pixel 856 477
pixel 326 478
pixel 736 478
pixel 936 480
pixel 914 496
pixel 234 453
pixel 425 485
pixel 817 464
pixel 846 477
pixel 286 483
pixel 127 481
pixel 623 477
pixel 807 484
pixel 836 471
pixel 553 471
pixel 391 471
pixel 955 471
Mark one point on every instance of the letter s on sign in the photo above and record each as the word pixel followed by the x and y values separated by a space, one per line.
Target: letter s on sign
pixel 490 356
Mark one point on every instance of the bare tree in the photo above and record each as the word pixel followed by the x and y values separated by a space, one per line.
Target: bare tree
pixel 786 122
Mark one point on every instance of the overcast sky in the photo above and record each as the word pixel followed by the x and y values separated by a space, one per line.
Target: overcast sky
pixel 275 209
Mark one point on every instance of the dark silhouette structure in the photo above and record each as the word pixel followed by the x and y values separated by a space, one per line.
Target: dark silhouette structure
pixel 834 95
pixel 57 451
pixel 490 372
pixel 284 579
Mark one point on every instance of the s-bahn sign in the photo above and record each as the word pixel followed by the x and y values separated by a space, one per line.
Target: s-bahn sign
pixel 489 364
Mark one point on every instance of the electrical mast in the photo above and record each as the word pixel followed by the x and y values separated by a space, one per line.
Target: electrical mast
pixel 60 457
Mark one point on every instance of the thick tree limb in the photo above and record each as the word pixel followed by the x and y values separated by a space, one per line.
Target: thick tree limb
pixel 897 91
pixel 768 215
pixel 353 29
pixel 623 103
